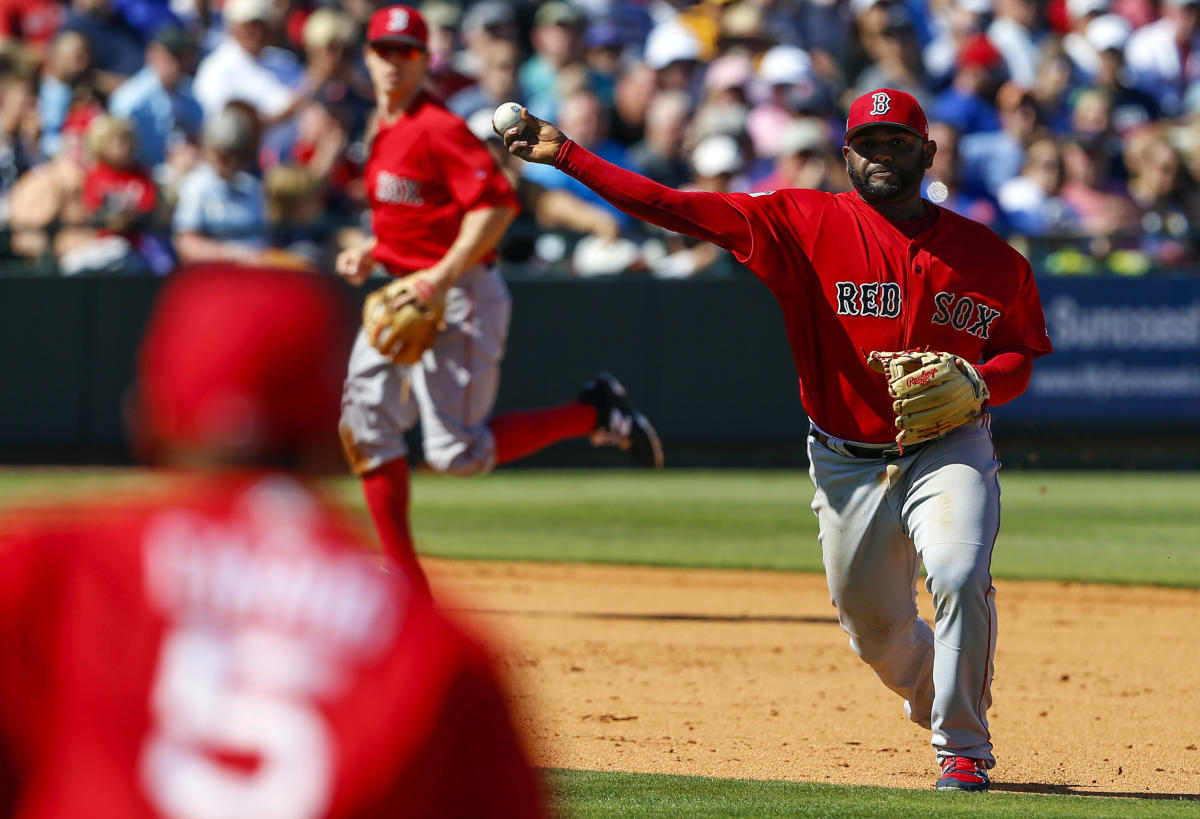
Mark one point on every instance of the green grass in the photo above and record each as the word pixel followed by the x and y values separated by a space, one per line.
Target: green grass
pixel 586 794
pixel 1090 526
pixel 1095 526
pixel 1102 527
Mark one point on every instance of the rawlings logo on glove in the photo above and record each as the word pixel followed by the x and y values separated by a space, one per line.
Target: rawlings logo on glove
pixel 935 392
pixel 403 318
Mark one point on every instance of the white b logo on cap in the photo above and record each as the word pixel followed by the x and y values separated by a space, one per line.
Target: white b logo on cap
pixel 397 20
pixel 881 103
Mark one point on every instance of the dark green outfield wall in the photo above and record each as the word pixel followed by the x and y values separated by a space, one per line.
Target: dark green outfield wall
pixel 707 361
pixel 69 347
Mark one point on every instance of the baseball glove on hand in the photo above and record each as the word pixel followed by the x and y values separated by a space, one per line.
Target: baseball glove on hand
pixel 935 392
pixel 403 317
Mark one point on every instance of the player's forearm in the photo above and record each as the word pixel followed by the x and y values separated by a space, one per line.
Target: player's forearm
pixel 699 214
pixel 477 236
pixel 1007 374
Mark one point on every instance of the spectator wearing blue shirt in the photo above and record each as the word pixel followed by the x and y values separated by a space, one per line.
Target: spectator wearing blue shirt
pixel 659 154
pixel 147 17
pixel 942 186
pixel 221 212
pixel 583 117
pixel 497 81
pixel 65 78
pixel 1032 202
pixel 159 100
pixel 964 104
pixel 556 38
pixel 895 58
pixel 988 159
pixel 604 45
pixel 115 46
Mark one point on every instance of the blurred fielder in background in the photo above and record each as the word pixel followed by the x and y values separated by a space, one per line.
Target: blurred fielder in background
pixel 901 315
pixel 439 205
pixel 221 644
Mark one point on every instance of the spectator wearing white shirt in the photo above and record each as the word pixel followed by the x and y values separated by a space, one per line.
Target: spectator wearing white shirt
pixel 953 25
pixel 243 67
pixel 1080 13
pixel 1163 56
pixel 1013 33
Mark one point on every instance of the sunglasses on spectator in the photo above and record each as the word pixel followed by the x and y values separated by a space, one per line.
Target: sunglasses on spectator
pixel 392 51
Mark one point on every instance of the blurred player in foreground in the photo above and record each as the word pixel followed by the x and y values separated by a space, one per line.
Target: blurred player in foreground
pixel 901 314
pixel 439 205
pixel 220 644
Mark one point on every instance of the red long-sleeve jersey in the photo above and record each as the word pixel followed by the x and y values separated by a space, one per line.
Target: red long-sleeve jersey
pixel 850 281
pixel 226 649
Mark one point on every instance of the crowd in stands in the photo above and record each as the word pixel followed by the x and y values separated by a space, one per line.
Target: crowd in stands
pixel 136 135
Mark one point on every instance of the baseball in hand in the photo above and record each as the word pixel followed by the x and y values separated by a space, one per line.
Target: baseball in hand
pixel 506 116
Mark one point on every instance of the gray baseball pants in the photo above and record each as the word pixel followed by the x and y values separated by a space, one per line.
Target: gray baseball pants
pixel 451 390
pixel 880 521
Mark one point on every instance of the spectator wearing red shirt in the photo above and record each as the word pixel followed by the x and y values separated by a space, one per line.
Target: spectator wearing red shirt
pixel 121 198
pixel 117 191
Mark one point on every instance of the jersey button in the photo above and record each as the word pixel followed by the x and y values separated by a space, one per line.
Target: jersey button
pixel 918 268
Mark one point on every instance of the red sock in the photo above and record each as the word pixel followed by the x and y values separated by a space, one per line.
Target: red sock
pixel 526 431
pixel 387 492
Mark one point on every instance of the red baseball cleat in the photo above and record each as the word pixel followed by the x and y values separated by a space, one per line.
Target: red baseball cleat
pixel 961 773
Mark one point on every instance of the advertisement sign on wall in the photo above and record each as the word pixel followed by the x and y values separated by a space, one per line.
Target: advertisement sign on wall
pixel 1125 349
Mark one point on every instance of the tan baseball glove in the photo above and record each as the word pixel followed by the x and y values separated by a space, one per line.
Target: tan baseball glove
pixel 403 317
pixel 935 392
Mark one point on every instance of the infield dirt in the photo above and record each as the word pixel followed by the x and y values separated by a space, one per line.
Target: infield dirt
pixel 746 674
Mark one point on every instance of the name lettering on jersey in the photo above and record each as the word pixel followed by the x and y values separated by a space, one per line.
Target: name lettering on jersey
pixel 876 299
pixel 396 190
pixel 964 313
pixel 227 572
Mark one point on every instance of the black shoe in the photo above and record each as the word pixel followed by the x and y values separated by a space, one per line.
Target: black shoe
pixel 618 424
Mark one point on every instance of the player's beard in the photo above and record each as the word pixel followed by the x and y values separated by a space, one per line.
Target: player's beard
pixel 901 182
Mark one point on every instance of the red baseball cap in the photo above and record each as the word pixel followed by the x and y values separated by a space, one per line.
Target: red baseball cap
pixel 398 24
pixel 979 51
pixel 887 106
pixel 242 365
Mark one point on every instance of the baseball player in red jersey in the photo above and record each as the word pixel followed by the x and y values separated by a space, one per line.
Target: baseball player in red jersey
pixel 222 644
pixel 439 205
pixel 878 270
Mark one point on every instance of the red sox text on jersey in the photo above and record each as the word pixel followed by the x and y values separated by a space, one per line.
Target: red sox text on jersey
pixel 396 190
pixel 425 171
pixel 883 300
